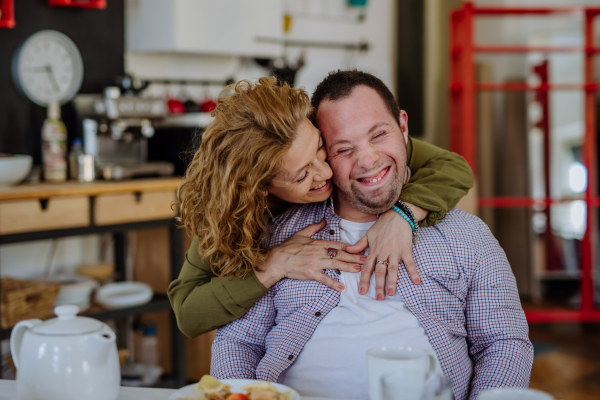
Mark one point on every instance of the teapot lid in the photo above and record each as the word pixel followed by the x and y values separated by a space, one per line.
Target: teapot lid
pixel 67 323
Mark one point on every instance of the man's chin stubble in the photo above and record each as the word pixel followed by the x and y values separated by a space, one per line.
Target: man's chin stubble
pixel 362 203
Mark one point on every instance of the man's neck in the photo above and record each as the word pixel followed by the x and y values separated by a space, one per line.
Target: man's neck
pixel 347 212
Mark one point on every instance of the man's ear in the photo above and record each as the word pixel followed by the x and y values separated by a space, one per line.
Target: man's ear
pixel 403 117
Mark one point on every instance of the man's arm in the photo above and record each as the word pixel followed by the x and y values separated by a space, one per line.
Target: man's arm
pixel 498 333
pixel 240 345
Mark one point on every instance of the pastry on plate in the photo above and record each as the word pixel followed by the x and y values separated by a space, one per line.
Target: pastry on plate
pixel 264 391
pixel 213 388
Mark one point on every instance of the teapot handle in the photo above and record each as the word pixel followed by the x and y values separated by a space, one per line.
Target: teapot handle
pixel 16 337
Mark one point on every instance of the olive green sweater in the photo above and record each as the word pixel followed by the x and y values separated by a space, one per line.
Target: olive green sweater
pixel 203 301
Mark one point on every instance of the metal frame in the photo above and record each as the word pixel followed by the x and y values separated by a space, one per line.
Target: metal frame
pixel 158 303
pixel 463 139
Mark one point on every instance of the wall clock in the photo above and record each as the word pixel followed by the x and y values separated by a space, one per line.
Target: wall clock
pixel 48 67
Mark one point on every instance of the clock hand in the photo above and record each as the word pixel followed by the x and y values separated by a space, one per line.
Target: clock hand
pixel 52 78
pixel 37 69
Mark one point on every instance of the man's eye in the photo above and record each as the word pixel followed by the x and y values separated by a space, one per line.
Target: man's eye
pixel 379 135
pixel 342 151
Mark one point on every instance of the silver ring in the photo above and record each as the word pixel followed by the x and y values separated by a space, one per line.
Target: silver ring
pixel 385 262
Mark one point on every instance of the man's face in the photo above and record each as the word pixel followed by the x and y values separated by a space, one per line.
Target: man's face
pixel 366 150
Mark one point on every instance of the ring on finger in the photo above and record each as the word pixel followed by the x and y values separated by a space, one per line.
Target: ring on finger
pixel 331 252
pixel 385 262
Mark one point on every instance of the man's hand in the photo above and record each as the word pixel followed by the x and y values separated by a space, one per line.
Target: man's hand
pixel 301 257
pixel 389 239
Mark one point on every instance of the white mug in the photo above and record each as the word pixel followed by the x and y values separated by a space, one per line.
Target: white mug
pixel 514 394
pixel 416 364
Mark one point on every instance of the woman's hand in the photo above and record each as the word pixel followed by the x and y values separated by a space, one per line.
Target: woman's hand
pixel 301 257
pixel 389 239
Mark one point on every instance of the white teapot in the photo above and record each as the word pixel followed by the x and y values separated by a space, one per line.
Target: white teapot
pixel 65 358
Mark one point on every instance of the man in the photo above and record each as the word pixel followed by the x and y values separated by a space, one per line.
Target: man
pixel 314 339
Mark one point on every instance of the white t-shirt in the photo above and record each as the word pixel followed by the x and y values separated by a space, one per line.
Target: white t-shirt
pixel 334 361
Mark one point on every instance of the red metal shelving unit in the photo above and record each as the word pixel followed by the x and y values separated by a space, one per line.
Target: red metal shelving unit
pixel 463 138
pixel 7 14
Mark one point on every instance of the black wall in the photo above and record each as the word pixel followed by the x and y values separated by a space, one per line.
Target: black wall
pixel 99 36
pixel 409 89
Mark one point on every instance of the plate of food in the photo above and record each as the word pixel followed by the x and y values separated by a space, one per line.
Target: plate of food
pixel 210 388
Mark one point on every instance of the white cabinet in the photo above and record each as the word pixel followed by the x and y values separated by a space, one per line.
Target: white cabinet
pixel 229 27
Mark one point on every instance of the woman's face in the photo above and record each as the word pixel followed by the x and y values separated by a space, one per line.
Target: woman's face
pixel 305 177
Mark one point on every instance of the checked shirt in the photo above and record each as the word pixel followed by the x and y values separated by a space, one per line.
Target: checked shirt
pixel 467 303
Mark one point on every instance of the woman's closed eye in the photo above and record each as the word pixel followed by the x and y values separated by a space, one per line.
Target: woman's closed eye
pixel 303 178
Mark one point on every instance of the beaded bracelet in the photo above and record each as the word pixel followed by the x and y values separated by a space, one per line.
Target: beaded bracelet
pixel 408 212
pixel 406 217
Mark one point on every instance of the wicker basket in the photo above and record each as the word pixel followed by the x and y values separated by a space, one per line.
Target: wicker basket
pixel 21 300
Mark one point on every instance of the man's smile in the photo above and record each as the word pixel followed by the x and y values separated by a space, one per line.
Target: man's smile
pixel 374 179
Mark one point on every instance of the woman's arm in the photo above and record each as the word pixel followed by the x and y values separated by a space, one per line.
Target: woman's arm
pixel 203 302
pixel 439 180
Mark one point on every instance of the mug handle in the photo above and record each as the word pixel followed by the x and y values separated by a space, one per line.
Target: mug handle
pixel 432 364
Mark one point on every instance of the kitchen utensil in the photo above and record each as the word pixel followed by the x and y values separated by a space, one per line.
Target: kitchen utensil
pixel 191 391
pixel 384 360
pixel 124 294
pixel 514 394
pixel 207 104
pixel 65 358
pixel 14 168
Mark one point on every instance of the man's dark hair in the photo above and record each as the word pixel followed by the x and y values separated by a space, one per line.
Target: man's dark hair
pixel 340 84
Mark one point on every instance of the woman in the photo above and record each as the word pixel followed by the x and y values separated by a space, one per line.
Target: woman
pixel 259 155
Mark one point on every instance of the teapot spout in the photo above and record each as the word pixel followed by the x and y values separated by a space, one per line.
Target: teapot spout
pixel 100 345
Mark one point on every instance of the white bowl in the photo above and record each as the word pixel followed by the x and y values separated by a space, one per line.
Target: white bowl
pixel 124 294
pixel 14 169
pixel 74 289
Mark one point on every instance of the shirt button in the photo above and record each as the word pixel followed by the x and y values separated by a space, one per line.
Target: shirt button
pixel 290 357
pixel 332 232
pixel 338 271
pixel 318 314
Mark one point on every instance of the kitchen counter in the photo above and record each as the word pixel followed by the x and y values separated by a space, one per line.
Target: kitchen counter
pixel 70 188
pixel 8 391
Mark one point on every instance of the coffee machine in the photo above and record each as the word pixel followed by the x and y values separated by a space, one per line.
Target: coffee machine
pixel 116 128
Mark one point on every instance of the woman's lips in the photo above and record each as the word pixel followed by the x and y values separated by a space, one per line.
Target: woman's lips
pixel 322 188
pixel 376 179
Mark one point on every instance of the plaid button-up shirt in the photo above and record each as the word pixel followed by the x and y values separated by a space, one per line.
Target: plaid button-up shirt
pixel 467 303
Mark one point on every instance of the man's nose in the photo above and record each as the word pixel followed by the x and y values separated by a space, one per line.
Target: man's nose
pixel 367 158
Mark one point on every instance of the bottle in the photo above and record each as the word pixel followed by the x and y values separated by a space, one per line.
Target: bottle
pixel 54 145
pixel 75 169
pixel 81 165
pixel 148 351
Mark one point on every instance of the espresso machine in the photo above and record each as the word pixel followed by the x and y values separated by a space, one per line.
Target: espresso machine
pixel 116 128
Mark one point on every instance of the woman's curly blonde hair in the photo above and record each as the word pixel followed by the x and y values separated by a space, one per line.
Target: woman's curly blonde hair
pixel 222 197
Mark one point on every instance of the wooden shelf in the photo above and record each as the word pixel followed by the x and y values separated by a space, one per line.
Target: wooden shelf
pixel 48 190
pixel 158 303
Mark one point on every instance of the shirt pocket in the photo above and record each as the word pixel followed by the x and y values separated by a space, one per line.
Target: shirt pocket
pixel 292 294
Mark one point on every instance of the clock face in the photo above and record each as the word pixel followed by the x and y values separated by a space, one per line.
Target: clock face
pixel 48 67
